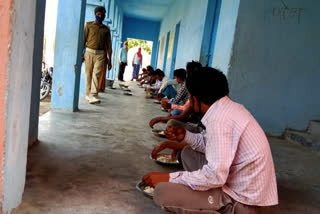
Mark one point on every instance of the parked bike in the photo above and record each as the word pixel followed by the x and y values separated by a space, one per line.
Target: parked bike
pixel 46 81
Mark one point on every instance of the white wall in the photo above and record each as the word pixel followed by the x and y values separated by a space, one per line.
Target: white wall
pixel 18 99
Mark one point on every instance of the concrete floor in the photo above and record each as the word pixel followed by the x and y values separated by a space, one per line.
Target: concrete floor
pixel 45 105
pixel 89 162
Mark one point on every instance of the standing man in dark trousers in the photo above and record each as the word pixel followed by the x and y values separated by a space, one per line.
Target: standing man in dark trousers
pixel 123 60
pixel 97 40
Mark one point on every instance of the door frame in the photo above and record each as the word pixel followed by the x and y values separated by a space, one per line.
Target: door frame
pixel 175 49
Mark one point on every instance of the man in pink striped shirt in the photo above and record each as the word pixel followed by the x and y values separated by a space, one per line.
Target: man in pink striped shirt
pixel 229 168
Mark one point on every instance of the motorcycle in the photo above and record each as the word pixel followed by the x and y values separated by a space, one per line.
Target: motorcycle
pixel 46 81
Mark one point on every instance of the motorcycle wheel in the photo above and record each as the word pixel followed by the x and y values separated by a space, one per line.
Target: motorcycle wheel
pixel 44 91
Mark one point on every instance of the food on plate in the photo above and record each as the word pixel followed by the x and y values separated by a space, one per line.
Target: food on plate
pixel 159 132
pixel 148 190
pixel 128 94
pixel 166 159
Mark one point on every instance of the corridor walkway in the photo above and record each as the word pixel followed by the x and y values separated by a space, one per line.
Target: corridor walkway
pixel 89 162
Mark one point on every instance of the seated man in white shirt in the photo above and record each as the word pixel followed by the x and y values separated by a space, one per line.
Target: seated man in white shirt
pixel 229 168
pixel 168 86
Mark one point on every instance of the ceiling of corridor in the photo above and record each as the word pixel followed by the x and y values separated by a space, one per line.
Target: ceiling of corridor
pixel 146 9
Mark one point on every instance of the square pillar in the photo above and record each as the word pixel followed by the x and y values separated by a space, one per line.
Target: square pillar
pixel 20 22
pixel 68 52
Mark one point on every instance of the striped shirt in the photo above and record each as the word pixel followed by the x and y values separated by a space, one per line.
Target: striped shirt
pixel 182 95
pixel 238 155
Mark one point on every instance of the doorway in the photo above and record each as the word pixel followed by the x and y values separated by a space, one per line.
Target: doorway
pixel 48 54
pixel 133 46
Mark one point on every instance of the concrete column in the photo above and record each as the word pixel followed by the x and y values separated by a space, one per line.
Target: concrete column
pixel 116 59
pixel 36 75
pixel 5 23
pixel 17 37
pixel 115 31
pixel 68 51
pixel 121 26
pixel 154 54
pixel 114 45
pixel 107 4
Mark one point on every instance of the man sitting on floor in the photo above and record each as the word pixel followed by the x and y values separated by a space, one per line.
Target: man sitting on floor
pixel 184 116
pixel 146 79
pixel 142 75
pixel 168 86
pixel 182 94
pixel 187 115
pixel 229 168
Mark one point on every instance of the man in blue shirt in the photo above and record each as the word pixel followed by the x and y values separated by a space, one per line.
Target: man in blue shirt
pixel 123 60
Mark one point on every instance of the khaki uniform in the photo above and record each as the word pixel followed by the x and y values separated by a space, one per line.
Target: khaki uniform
pixel 97 39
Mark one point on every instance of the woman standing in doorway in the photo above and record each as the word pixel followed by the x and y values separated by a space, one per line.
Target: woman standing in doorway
pixel 136 63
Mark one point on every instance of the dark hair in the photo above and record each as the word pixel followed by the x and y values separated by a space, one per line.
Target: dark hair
pixel 192 66
pixel 149 68
pixel 207 84
pixel 99 9
pixel 158 72
pixel 180 73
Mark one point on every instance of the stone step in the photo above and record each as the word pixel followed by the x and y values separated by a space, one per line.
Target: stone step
pixel 303 138
pixel 314 127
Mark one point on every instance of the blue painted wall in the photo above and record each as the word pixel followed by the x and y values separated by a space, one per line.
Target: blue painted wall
pixel 175 49
pixel 214 30
pixel 225 35
pixel 166 53
pixel 66 81
pixel 192 14
pixel 147 10
pixel 208 32
pixel 157 54
pixel 144 30
pixel 274 68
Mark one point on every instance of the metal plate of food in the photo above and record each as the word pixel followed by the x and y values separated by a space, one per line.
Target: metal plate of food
pixel 165 159
pixel 121 85
pixel 159 133
pixel 127 94
pixel 163 109
pixel 145 189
